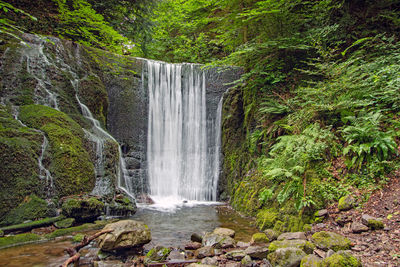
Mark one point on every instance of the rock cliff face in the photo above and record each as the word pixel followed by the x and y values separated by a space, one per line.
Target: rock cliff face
pixel 58 101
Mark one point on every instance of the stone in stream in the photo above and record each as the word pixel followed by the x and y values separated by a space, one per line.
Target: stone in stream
pixel 125 234
pixel 224 231
pixel 357 227
pixel 257 252
pixel 195 237
pixel 329 240
pixel 236 255
pixel 204 252
pixel 218 241
pixel 259 238
pixel 176 255
pixel 271 234
pixel 193 245
pixel 291 236
pixel 210 261
pixel 286 257
pixel 157 254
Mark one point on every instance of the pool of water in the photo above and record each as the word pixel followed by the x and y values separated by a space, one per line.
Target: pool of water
pixel 172 228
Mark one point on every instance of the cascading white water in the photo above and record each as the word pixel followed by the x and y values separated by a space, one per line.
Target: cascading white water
pixel 178 160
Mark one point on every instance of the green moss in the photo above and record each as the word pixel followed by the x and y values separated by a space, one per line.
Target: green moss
pixel 33 208
pixel 311 261
pixel 31 225
pixel 346 202
pixel 307 228
pixel 329 240
pixel 65 223
pixel 82 209
pixel 304 245
pixel 1 233
pixel 14 240
pixel 78 238
pixel 341 259
pixel 266 218
pixel 157 254
pixel 70 166
pixel 93 94
pixel 19 175
pixel 259 238
pixel 375 224
pixel 75 229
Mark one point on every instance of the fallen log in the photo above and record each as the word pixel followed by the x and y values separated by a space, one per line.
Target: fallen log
pixel 73 252
pixel 25 227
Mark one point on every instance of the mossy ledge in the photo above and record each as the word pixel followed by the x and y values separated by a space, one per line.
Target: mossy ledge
pixel 70 165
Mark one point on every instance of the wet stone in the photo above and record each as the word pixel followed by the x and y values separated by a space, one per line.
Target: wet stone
pixel 292 236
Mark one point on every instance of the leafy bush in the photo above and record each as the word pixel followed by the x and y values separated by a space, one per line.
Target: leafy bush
pixel 290 158
pixel 365 139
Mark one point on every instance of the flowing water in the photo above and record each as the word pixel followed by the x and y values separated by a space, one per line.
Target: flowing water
pixel 167 229
pixel 179 165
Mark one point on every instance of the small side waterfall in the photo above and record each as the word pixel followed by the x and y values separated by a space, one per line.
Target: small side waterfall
pixel 178 156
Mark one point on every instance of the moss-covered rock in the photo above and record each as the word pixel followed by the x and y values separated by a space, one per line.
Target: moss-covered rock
pixel 1 233
pixel 32 208
pixel 329 240
pixel 346 202
pixel 20 148
pixel 266 218
pixel 14 240
pixel 341 259
pixel 272 234
pixel 157 254
pixel 76 229
pixel 70 165
pixel 259 238
pixel 311 261
pixel 304 245
pixel 64 223
pixel 82 209
pixel 286 257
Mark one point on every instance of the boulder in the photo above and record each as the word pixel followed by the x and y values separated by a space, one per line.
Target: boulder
pixel 304 245
pixel 341 259
pixel 259 238
pixel 193 246
pixel 218 241
pixel 246 261
pixel 125 234
pixel 321 213
pixel 176 255
pixel 271 234
pixel 210 261
pixel 157 254
pixel 224 231
pixel 236 255
pixel 204 252
pixel 372 222
pixel 196 238
pixel 329 240
pixel 343 219
pixel 357 227
pixel 257 252
pixel 346 203
pixel 291 236
pixel 311 261
pixel 84 209
pixel 286 257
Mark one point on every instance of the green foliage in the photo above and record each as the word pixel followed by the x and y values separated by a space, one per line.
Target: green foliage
pixel 33 208
pixel 80 22
pixel 365 139
pixel 289 160
pixel 8 26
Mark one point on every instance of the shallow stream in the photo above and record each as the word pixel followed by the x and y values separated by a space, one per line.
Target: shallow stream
pixel 172 228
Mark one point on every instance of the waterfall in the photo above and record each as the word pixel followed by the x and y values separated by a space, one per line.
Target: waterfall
pixel 179 165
